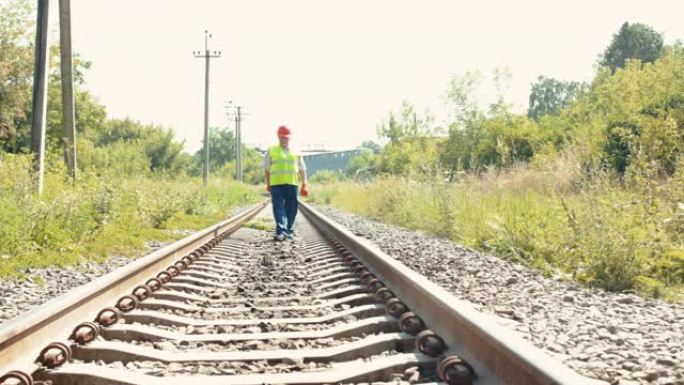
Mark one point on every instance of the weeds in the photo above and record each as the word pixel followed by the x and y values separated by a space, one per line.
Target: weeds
pixel 100 215
pixel 595 230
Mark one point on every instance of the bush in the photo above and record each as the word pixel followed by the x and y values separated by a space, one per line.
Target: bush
pixel 99 215
pixel 325 176
pixel 526 215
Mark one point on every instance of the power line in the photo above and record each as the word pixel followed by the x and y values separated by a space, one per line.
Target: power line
pixel 207 55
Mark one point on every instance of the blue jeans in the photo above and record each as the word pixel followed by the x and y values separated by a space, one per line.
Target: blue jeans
pixel 284 201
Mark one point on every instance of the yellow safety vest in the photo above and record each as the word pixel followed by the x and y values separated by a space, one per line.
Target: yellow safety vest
pixel 284 166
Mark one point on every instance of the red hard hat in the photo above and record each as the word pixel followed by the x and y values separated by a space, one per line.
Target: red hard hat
pixel 283 131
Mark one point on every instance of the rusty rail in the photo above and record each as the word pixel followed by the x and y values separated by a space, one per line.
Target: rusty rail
pixel 429 327
pixel 23 338
pixel 497 355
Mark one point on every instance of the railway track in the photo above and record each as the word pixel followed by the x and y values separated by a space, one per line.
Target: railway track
pixel 230 306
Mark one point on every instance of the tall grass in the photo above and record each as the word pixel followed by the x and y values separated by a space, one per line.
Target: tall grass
pixel 594 229
pixel 101 214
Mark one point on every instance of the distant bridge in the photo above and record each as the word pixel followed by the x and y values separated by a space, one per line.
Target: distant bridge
pixel 332 161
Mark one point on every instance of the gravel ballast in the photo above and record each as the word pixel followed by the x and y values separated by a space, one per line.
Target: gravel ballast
pixel 620 338
pixel 42 285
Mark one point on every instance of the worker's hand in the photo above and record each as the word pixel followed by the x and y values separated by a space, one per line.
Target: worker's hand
pixel 268 187
pixel 304 191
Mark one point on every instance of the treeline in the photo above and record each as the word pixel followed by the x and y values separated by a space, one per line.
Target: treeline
pixel 135 183
pixel 587 184
pixel 104 144
pixel 629 116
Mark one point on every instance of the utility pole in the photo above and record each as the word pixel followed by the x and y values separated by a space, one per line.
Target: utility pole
pixel 39 105
pixel 68 115
pixel 207 57
pixel 238 139
pixel 239 176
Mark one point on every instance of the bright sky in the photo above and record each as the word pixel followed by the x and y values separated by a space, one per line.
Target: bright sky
pixel 332 70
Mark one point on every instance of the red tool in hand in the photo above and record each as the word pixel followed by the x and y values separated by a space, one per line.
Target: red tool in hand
pixel 304 191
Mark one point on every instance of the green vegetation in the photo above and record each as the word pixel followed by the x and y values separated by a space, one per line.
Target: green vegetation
pixel 102 143
pixel 261 223
pixel 596 232
pixel 588 184
pixel 134 182
pixel 101 215
pixel 633 41
pixel 325 176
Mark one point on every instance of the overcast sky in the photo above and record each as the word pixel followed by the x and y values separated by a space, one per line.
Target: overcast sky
pixel 332 70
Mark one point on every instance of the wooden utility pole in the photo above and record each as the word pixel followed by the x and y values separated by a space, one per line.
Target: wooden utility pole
pixel 39 105
pixel 238 140
pixel 68 114
pixel 239 176
pixel 207 57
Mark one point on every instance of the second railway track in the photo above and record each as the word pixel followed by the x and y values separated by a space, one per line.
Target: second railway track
pixel 230 306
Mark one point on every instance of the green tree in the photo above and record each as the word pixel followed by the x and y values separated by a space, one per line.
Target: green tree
pixel 115 130
pixel 364 162
pixel 252 170
pixel 221 152
pixel 407 125
pixel 375 148
pixel 633 41
pixel 221 147
pixel 17 30
pixel 162 149
pixel 411 146
pixel 477 139
pixel 16 74
pixel 156 142
pixel 638 110
pixel 549 96
pixel 91 116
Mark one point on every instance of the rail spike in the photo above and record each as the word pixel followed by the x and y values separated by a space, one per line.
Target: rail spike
pixel 142 292
pixel 19 377
pixel 430 343
pixel 108 316
pixel 173 271
pixel 366 278
pixel 395 307
pixel 411 323
pixel 375 284
pixel 164 277
pixel 85 332
pixel 55 354
pixel 154 284
pixel 455 371
pixel 127 303
pixel 181 265
pixel 383 295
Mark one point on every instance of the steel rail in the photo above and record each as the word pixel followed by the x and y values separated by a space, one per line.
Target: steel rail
pixel 22 338
pixel 497 355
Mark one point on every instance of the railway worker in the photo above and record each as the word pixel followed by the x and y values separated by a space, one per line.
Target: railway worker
pixel 284 170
